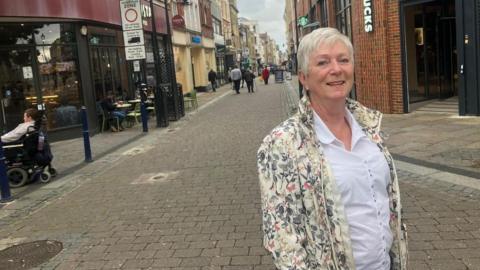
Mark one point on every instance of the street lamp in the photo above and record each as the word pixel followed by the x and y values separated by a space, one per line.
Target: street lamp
pixel 42 37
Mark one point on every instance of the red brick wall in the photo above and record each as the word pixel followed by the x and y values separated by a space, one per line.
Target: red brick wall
pixel 378 69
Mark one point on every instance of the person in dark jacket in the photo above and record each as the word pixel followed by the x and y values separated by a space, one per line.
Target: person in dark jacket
pixel 108 106
pixel 249 78
pixel 212 77
pixel 243 76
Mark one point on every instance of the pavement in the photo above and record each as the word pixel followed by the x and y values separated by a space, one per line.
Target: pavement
pixel 186 196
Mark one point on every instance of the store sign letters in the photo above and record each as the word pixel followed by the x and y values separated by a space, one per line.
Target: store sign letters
pixel 368 15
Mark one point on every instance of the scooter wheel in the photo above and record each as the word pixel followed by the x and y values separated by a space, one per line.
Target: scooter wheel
pixel 45 177
pixel 53 172
pixel 17 177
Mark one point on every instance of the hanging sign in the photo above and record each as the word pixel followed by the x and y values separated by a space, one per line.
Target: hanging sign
pixel 178 21
pixel 368 15
pixel 302 21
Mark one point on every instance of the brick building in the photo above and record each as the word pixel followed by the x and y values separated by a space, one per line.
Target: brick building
pixel 406 51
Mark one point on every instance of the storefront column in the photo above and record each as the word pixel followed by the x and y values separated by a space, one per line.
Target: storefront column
pixel 86 78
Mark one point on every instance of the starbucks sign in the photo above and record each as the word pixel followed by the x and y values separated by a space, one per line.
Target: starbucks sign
pixel 368 15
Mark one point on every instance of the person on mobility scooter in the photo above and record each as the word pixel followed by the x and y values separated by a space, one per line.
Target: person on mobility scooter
pixel 27 152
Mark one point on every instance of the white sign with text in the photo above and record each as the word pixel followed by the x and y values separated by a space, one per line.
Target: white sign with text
pixel 135 52
pixel 131 14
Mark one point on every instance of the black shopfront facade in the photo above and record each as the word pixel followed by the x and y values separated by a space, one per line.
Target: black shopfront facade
pixel 441 52
pixel 60 55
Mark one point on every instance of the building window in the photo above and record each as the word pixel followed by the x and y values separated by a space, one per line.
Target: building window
pixel 343 13
pixel 322 7
pixel 109 67
pixel 217 26
pixel 58 74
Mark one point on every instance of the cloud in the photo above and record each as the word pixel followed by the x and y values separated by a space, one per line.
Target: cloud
pixel 268 14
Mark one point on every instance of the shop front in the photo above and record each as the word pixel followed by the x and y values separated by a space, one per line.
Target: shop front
pixel 63 56
pixel 441 52
pixel 39 68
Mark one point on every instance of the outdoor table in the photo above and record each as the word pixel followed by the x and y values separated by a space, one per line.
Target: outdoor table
pixel 123 106
pixel 133 101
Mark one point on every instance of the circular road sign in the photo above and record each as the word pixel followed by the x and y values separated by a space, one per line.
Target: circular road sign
pixel 131 15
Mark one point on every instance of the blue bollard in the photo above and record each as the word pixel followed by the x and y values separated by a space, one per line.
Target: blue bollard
pixel 143 112
pixel 4 183
pixel 86 136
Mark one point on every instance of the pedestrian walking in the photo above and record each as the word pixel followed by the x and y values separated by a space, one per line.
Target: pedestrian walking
pixel 265 75
pixel 249 79
pixel 330 193
pixel 230 76
pixel 243 76
pixel 236 78
pixel 212 77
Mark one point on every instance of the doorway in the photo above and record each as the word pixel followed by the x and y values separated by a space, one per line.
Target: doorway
pixel 109 72
pixel 430 50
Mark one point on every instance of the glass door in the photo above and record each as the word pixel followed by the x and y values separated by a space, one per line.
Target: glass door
pixel 18 86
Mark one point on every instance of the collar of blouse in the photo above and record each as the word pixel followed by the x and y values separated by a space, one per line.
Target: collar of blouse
pixel 368 119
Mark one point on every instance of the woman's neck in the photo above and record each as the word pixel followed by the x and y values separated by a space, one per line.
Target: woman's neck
pixel 334 116
pixel 331 113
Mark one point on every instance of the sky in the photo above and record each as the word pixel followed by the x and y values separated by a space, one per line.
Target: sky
pixel 268 14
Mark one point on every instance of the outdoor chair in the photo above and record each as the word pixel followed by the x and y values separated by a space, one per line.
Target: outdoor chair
pixel 190 100
pixel 134 115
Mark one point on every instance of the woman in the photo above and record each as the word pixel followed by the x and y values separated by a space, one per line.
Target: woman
pixel 330 194
pixel 265 75
pixel 30 117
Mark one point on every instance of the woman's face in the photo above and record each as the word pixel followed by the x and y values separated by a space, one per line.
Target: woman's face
pixel 330 73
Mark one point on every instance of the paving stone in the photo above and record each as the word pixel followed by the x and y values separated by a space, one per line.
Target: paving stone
pixel 208 214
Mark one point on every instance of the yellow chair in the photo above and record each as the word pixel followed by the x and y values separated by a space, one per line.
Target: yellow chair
pixel 191 100
pixel 135 114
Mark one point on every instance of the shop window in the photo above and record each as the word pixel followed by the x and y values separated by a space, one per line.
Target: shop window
pixel 54 34
pixel 109 67
pixel 343 12
pixel 16 34
pixel 104 36
pixel 322 6
pixel 59 84
pixel 16 81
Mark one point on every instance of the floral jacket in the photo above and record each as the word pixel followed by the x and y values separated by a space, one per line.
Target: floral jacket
pixel 303 217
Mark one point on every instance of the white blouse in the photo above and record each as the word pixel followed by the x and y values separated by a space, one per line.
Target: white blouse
pixel 362 176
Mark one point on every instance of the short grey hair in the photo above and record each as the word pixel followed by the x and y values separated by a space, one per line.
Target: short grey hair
pixel 317 38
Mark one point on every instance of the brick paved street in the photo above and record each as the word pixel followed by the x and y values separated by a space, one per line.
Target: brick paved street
pixel 187 197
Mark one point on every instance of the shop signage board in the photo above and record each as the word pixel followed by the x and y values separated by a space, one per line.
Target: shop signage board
pixel 368 15
pixel 178 21
pixel 132 25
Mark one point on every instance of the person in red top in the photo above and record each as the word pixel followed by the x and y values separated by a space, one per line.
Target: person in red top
pixel 265 74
